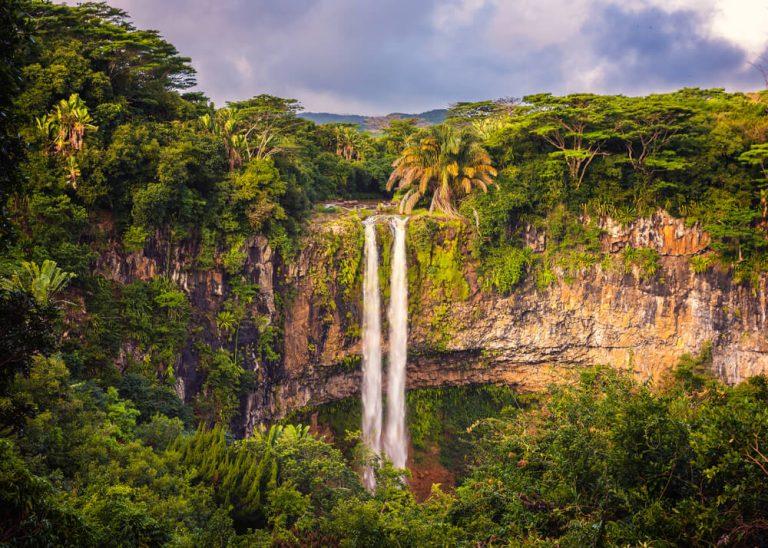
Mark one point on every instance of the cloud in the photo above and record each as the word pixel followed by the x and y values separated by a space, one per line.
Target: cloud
pixel 653 49
pixel 531 24
pixel 742 22
pixel 455 14
pixel 401 55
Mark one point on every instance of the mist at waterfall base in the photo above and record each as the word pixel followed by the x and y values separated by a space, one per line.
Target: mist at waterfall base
pixel 395 436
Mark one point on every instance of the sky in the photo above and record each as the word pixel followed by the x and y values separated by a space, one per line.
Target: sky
pixel 379 56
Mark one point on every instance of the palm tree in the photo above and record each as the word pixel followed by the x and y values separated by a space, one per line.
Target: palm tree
pixel 226 321
pixel 348 143
pixel 446 162
pixel 42 282
pixel 224 124
pixel 66 126
pixel 70 120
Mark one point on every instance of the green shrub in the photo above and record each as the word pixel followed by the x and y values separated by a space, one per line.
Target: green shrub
pixel 646 259
pixel 701 263
pixel 206 255
pixel 545 278
pixel 219 399
pixel 610 461
pixel 506 268
pixel 135 238
pixel 234 259
pixel 155 315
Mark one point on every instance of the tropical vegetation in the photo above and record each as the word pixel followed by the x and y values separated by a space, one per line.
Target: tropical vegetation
pixel 445 163
pixel 106 152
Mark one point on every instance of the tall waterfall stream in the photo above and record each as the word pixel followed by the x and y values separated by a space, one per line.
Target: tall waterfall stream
pixel 395 441
pixel 371 389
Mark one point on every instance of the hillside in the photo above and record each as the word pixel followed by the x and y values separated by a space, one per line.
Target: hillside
pixel 375 124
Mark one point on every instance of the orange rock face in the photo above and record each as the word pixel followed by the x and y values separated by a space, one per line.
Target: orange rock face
pixel 667 235
pixel 534 337
pixel 528 339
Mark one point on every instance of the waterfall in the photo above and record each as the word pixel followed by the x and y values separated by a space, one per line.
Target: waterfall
pixel 395 438
pixel 371 389
pixel 395 442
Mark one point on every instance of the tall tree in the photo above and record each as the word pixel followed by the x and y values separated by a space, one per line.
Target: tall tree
pixel 255 129
pixel 463 113
pixel 446 162
pixel 138 64
pixel 757 156
pixel 65 128
pixel 224 123
pixel 14 37
pixel 397 133
pixel 266 122
pixel 648 126
pixel 348 142
pixel 574 125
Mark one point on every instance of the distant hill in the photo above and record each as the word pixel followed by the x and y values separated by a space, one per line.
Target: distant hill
pixel 328 118
pixel 375 124
pixel 434 116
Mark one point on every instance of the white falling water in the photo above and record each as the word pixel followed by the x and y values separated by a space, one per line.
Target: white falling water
pixel 371 388
pixel 395 442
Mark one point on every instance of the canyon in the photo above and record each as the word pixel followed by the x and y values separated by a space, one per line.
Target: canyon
pixel 461 332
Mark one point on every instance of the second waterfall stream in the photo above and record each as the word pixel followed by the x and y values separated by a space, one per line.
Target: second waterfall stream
pixel 395 441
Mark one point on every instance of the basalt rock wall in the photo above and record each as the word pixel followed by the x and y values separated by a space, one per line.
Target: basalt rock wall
pixel 621 317
pixel 207 290
pixel 460 332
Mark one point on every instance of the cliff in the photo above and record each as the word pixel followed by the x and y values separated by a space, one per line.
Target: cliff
pixel 461 333
pixel 207 290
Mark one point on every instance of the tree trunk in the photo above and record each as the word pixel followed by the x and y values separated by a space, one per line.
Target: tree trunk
pixel 442 200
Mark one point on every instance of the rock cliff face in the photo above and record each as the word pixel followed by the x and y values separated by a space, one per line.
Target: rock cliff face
pixel 460 333
pixel 537 336
pixel 207 290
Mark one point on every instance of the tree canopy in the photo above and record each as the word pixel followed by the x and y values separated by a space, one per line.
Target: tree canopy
pixel 446 162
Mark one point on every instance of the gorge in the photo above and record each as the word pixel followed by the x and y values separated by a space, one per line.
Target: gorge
pixel 461 334
pixel 514 321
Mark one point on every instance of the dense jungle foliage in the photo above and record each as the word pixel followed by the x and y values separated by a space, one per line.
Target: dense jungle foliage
pixel 566 162
pixel 104 147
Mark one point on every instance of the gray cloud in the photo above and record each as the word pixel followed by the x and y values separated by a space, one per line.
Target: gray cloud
pixel 652 50
pixel 405 55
